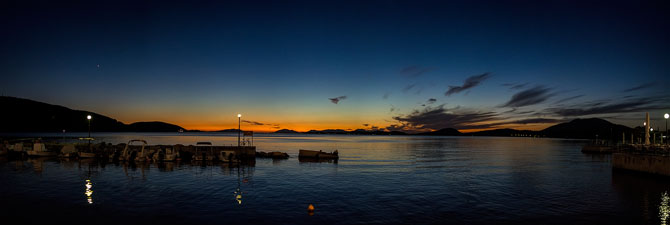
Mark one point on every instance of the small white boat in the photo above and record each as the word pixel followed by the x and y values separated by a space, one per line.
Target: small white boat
pixel 203 151
pixel 68 151
pixel 17 147
pixel 131 150
pixel 4 149
pixel 40 150
pixel 168 154
pixel 87 153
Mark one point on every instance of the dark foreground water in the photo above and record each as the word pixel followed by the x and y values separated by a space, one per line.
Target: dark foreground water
pixel 378 180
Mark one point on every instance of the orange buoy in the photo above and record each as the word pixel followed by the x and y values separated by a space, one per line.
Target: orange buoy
pixel 310 209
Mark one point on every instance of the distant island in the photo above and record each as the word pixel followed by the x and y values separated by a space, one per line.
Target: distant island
pixel 24 115
pixel 577 129
pixel 286 131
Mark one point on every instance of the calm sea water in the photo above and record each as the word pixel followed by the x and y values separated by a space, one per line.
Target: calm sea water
pixel 378 180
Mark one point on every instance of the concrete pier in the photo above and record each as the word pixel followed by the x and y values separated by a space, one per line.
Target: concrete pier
pixel 641 162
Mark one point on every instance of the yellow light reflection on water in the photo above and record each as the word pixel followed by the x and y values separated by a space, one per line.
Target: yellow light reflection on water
pixel 89 192
pixel 664 209
pixel 238 196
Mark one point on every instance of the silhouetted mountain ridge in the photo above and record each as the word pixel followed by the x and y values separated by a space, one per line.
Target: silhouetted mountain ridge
pixel 24 115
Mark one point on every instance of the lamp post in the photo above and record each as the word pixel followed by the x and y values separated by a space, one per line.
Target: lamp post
pixel 239 119
pixel 666 125
pixel 88 117
pixel 89 125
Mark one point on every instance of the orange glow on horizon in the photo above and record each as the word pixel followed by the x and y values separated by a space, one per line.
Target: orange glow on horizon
pixel 348 127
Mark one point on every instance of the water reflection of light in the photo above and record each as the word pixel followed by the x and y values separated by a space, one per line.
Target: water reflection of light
pixel 89 192
pixel 664 209
pixel 238 196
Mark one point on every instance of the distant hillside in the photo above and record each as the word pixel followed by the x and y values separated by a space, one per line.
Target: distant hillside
pixel 356 132
pixel 229 131
pixel 153 127
pixel 505 133
pixel 443 132
pixel 578 128
pixel 587 129
pixel 286 131
pixel 23 115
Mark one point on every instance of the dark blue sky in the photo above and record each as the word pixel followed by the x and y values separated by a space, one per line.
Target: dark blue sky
pixel 401 64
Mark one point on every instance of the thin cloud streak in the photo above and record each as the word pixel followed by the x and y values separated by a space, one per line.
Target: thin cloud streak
pixel 469 83
pixel 414 71
pixel 528 97
pixel 440 117
pixel 568 99
pixel 515 86
pixel 639 87
pixel 337 99
pixel 604 107
pixel 253 122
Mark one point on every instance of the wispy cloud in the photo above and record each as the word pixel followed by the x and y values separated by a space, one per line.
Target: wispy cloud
pixel 414 71
pixel 408 87
pixel 253 122
pixel 608 107
pixel 568 99
pixel 256 123
pixel 515 86
pixel 639 87
pixel 386 95
pixel 530 96
pixel 337 99
pixel 471 82
pixel 532 121
pixel 441 117
pixel 431 101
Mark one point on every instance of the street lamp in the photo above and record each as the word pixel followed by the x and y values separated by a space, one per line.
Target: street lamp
pixel 88 117
pixel 239 119
pixel 666 124
pixel 89 125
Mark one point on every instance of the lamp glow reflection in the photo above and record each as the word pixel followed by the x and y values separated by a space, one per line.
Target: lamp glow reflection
pixel 89 192
pixel 664 209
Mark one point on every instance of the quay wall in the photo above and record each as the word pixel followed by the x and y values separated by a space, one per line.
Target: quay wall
pixel 648 163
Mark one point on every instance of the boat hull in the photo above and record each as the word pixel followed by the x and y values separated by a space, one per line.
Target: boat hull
pixel 317 154
pixel 40 153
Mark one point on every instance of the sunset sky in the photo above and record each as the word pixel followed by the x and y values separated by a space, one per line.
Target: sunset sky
pixel 393 65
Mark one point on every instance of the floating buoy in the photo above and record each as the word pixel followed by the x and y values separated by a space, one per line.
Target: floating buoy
pixel 310 209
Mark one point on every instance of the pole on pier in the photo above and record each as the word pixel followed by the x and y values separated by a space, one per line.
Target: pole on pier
pixel 239 119
pixel 666 116
pixel 646 130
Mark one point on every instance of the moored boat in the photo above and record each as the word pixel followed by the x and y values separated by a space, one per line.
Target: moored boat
pixel 166 154
pixel 204 151
pixel 39 150
pixel 68 151
pixel 228 156
pixel 130 151
pixel 86 152
pixel 318 154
